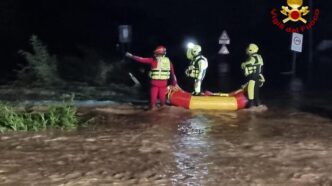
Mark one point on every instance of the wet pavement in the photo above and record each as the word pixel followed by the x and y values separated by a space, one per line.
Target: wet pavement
pixel 126 145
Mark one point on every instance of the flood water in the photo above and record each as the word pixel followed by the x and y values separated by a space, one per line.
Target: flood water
pixel 290 144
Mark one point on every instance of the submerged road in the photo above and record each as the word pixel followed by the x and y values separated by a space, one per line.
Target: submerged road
pixel 129 146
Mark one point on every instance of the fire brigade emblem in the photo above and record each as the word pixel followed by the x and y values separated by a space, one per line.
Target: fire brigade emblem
pixel 295 12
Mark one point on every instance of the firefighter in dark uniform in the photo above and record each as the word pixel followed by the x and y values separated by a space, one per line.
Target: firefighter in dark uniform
pixel 253 69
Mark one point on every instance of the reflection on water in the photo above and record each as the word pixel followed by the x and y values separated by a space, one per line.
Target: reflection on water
pixel 286 145
pixel 191 150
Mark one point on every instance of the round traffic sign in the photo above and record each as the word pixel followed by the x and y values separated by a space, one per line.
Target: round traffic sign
pixel 297 41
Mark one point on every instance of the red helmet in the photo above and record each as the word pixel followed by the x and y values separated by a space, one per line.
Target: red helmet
pixel 160 50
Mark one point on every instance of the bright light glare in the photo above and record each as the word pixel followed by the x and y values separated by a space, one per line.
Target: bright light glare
pixel 190 45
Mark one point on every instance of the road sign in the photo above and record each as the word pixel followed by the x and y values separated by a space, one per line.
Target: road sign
pixel 125 33
pixel 224 38
pixel 224 50
pixel 297 42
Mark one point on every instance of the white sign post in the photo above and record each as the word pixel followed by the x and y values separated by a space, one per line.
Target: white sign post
pixel 224 40
pixel 125 33
pixel 297 42
pixel 296 46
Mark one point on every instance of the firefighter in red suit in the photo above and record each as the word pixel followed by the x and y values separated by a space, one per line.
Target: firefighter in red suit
pixel 161 71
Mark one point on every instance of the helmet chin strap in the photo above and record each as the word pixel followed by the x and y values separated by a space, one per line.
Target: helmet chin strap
pixel 194 54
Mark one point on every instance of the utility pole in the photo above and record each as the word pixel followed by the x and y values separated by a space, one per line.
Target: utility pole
pixel 223 66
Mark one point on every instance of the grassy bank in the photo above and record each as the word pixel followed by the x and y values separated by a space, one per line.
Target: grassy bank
pixel 62 117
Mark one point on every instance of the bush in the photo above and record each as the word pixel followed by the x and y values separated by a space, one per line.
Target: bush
pixel 85 66
pixel 42 67
pixel 103 72
pixel 60 117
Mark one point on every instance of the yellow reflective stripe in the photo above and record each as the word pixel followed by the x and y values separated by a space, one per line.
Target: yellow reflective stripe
pixel 160 74
pixel 163 69
pixel 253 65
pixel 251 69
pixel 251 90
pixel 159 78
pixel 160 71
pixel 195 72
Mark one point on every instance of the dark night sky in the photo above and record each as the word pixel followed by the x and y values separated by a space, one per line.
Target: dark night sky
pixel 66 24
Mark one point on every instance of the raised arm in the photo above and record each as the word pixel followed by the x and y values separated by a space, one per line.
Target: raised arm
pixel 139 59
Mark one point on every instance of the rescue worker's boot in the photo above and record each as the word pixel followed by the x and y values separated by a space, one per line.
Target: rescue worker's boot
pixel 257 102
pixel 250 104
pixel 196 93
pixel 153 108
pixel 163 107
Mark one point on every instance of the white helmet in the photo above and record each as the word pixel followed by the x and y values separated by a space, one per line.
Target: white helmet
pixel 194 51
pixel 252 49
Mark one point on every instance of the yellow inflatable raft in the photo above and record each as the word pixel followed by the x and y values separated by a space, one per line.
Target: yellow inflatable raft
pixel 210 101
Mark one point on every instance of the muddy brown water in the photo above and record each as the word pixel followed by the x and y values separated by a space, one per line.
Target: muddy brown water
pixel 130 146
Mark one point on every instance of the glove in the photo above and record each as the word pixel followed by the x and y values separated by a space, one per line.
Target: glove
pixel 187 72
pixel 128 55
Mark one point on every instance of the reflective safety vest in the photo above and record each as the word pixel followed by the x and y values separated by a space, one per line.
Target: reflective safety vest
pixel 253 65
pixel 163 69
pixel 194 66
